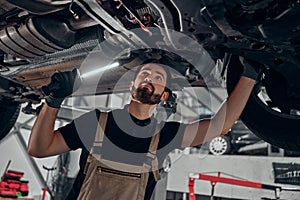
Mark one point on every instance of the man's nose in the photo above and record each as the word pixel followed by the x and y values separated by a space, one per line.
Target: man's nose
pixel 148 79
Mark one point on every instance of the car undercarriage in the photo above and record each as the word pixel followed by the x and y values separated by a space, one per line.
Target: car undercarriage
pixel 41 37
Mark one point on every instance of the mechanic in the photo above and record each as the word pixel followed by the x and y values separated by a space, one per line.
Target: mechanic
pixel 110 165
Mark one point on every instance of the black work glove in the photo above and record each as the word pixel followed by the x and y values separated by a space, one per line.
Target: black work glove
pixel 252 69
pixel 62 85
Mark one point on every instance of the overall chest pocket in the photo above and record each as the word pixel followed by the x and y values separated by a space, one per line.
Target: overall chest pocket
pixel 111 184
pixel 121 174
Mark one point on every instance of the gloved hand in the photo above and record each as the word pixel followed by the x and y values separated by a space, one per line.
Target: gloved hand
pixel 62 85
pixel 252 69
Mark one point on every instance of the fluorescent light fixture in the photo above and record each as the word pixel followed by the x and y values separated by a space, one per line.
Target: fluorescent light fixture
pixel 100 70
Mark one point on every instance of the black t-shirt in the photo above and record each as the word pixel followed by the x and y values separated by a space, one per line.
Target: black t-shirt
pixel 126 140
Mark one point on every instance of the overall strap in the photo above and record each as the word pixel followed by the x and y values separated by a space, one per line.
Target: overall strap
pixel 151 160
pixel 97 145
pixel 154 143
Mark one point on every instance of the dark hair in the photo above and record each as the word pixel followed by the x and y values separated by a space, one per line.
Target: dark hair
pixel 166 68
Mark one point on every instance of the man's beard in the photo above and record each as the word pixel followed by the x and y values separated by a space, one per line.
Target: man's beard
pixel 145 95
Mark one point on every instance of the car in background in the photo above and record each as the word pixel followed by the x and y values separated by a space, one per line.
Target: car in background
pixel 240 140
pixel 239 136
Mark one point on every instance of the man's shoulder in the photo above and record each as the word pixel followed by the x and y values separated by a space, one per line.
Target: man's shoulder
pixel 172 126
pixel 172 134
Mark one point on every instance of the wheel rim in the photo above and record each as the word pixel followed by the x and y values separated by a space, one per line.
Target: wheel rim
pixel 218 146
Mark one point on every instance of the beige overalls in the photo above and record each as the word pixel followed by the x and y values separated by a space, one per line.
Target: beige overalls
pixel 103 180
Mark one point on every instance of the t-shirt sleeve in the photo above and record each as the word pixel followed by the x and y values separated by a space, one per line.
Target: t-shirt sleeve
pixel 172 135
pixel 81 131
pixel 70 135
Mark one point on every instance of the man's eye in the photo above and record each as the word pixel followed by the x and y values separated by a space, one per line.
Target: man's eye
pixel 144 73
pixel 158 78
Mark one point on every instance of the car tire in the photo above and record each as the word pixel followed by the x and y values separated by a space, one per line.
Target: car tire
pixel 276 128
pixel 9 112
pixel 219 145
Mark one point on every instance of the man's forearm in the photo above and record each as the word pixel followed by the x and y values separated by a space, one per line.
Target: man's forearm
pixel 231 110
pixel 42 132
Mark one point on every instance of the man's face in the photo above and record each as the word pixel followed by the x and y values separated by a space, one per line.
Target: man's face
pixel 149 85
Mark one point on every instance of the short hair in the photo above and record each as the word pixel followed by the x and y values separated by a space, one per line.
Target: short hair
pixel 166 68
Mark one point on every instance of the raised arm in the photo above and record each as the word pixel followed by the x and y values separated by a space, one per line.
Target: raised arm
pixel 44 140
pixel 205 130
